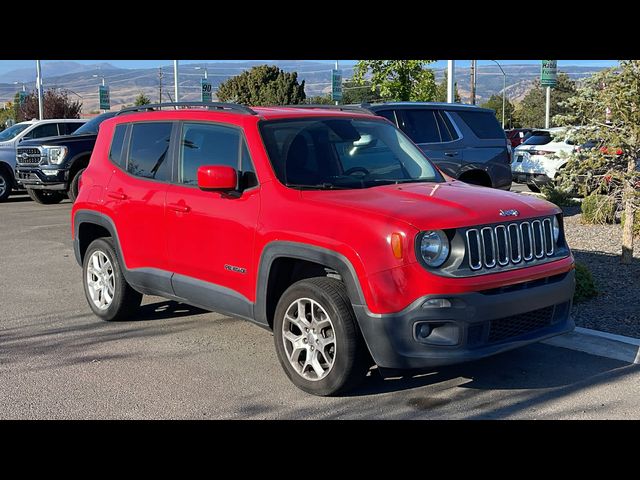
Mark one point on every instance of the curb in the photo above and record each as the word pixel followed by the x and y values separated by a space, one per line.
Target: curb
pixel 602 344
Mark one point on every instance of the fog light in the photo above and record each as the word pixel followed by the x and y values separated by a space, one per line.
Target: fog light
pixel 437 303
pixel 50 173
pixel 423 330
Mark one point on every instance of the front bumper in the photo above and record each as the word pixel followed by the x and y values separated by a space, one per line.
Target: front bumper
pixel 479 323
pixel 34 177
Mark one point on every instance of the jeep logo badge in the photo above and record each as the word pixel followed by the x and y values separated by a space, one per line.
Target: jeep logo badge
pixel 509 213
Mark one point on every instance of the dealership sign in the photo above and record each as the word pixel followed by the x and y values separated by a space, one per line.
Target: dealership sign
pixel 205 90
pixel 105 103
pixel 336 85
pixel 549 73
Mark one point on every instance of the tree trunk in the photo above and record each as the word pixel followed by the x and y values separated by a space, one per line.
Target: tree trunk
pixel 629 216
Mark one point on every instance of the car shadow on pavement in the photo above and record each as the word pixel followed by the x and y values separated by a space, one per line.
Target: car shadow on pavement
pixel 165 309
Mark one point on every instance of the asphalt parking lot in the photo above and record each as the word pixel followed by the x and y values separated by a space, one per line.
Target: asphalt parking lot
pixel 59 361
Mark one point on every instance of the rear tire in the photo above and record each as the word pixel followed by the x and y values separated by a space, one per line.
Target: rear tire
pixel 322 352
pixel 45 197
pixel 109 295
pixel 5 185
pixel 74 186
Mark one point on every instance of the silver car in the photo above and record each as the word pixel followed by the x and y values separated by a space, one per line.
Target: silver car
pixel 12 136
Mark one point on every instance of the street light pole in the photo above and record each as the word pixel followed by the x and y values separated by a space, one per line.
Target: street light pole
pixel 504 89
pixel 39 87
pixel 451 68
pixel 176 87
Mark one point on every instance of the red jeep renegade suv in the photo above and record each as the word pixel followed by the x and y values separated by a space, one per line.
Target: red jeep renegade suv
pixel 328 227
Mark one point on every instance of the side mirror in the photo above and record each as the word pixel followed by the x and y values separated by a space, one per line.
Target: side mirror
pixel 217 177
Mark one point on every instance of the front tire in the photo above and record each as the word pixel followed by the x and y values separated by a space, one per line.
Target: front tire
pixel 74 186
pixel 5 185
pixel 108 293
pixel 45 197
pixel 317 338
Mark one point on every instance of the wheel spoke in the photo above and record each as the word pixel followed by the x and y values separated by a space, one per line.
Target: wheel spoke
pixel 315 364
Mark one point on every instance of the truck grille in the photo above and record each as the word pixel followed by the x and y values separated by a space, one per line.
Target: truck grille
pixel 28 156
pixel 509 244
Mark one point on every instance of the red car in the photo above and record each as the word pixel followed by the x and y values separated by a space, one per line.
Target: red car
pixel 328 227
pixel 517 135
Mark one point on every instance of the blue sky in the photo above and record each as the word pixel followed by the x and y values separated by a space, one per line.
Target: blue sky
pixel 8 65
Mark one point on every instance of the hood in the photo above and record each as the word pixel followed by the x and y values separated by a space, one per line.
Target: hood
pixel 551 146
pixel 435 205
pixel 58 140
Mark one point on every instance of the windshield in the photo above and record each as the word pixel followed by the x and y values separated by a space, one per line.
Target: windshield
pixel 326 153
pixel 13 131
pixel 92 125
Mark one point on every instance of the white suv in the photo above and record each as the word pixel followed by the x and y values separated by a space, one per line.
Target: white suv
pixel 12 136
pixel 537 160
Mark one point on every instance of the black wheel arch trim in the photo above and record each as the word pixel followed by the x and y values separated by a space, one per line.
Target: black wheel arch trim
pixel 302 251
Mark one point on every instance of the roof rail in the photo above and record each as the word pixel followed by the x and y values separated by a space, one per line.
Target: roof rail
pixel 233 107
pixel 354 108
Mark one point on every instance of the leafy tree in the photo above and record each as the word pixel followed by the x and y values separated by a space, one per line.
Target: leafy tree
pixel 6 113
pixel 352 92
pixel 495 104
pixel 441 91
pixel 607 107
pixel 398 80
pixel 56 105
pixel 532 109
pixel 263 85
pixel 142 99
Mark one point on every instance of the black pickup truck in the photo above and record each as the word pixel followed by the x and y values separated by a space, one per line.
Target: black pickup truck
pixel 50 168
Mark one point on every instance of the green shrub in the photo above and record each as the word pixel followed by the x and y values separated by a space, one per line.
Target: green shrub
pixel 585 287
pixel 636 224
pixel 559 197
pixel 598 209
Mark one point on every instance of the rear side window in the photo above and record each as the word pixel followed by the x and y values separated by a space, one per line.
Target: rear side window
pixel 421 126
pixel 68 128
pixel 115 154
pixel 483 124
pixel 447 132
pixel 149 150
pixel 388 114
pixel 207 144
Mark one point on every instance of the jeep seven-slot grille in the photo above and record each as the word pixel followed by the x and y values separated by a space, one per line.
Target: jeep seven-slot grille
pixel 509 244
pixel 28 156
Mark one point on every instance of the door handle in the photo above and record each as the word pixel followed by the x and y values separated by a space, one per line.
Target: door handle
pixel 451 154
pixel 179 208
pixel 117 195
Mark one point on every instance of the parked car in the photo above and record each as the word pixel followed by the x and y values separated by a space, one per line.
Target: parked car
pixel 50 168
pixel 537 161
pixel 329 228
pixel 19 132
pixel 518 135
pixel 465 141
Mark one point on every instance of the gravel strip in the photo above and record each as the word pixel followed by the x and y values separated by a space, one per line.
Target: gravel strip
pixel 616 308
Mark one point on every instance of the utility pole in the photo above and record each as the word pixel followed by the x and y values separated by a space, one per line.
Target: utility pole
pixel 451 96
pixel 473 82
pixel 39 87
pixel 160 84
pixel 176 85
pixel 337 102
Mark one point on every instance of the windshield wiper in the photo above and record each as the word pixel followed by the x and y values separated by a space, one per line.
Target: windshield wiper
pixel 319 186
pixel 401 180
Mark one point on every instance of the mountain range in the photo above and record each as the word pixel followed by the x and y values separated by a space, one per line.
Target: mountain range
pixel 126 84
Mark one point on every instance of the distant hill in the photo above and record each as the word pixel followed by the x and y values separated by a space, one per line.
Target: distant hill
pixel 126 84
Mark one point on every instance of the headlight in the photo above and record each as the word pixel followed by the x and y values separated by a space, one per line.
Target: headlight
pixel 55 155
pixel 556 229
pixel 434 247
